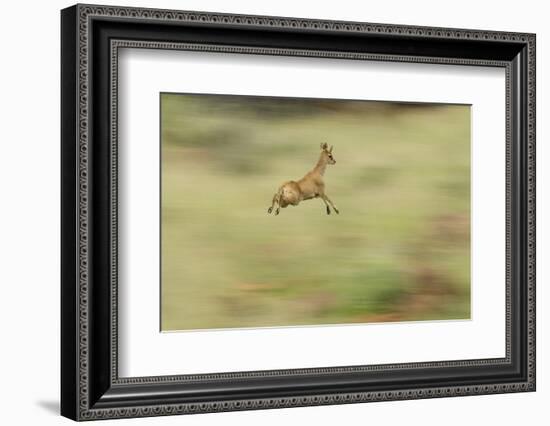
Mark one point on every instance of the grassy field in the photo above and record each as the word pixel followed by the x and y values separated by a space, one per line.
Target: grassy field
pixel 398 251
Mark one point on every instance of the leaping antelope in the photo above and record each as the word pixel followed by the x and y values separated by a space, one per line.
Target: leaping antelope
pixel 310 186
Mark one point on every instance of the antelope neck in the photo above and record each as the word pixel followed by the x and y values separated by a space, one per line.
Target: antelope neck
pixel 321 165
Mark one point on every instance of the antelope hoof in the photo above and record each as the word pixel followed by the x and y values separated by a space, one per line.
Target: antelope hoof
pixel 269 210
pixel 276 212
pixel 328 210
pixel 336 210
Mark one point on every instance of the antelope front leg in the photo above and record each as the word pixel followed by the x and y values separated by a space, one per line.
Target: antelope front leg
pixel 326 204
pixel 325 199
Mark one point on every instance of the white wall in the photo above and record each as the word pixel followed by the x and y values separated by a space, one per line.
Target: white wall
pixel 29 211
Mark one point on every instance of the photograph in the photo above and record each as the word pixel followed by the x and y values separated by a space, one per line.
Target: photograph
pixel 279 211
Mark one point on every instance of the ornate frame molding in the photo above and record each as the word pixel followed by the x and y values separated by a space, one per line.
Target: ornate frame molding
pixel 89 407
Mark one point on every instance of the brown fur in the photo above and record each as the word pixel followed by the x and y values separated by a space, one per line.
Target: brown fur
pixel 310 186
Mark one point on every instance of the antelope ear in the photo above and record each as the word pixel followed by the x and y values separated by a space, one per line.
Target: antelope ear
pixel 330 150
pixel 324 145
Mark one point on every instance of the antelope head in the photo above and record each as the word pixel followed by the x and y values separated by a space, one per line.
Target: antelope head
pixel 327 153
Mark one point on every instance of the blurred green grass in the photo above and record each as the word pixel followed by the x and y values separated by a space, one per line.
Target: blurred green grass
pixel 399 250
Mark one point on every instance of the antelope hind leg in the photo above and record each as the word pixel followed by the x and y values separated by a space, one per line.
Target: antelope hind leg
pixel 273 202
pixel 278 197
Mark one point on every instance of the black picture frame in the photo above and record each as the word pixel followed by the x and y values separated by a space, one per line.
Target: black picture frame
pixel 90 386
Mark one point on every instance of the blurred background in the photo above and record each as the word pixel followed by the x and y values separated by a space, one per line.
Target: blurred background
pixel 398 251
